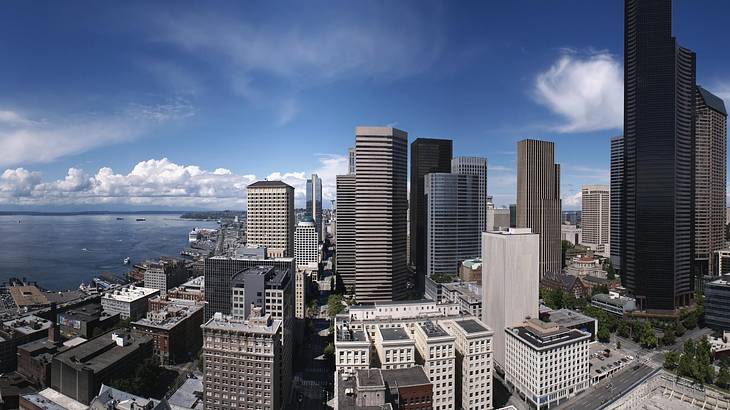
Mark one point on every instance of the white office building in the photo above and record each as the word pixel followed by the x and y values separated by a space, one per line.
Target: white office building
pixel 510 281
pixel 438 353
pixel 546 363
pixel 306 243
pixel 352 349
pixel 395 348
pixel 129 301
pixel 474 346
pixel 596 215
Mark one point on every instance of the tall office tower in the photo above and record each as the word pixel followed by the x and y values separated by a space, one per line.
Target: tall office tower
pixel 452 227
pixel 617 180
pixel 314 202
pixel 658 191
pixel 710 177
pixel 595 215
pixel 510 281
pixel 345 227
pixel 218 272
pixel 351 161
pixel 538 199
pixel 381 209
pixel 475 166
pixel 258 369
pixel 306 244
pixel 427 156
pixel 513 215
pixel 270 217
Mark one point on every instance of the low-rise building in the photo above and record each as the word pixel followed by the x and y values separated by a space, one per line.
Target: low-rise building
pixel 35 358
pixel 571 233
pixel 242 362
pixel 717 303
pixel 471 270
pixel 110 398
pixel 16 332
pixel 408 388
pixel 49 399
pixel 545 363
pixel 86 321
pixel 586 266
pixel 468 295
pixel 165 274
pixel 175 331
pixel 353 348
pixel 437 354
pixel 395 348
pixel 130 302
pixel 572 285
pixel 371 389
pixel 80 371
pixel 570 319
pixel 617 304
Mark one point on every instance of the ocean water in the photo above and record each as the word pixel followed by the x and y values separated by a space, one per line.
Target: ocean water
pixel 59 252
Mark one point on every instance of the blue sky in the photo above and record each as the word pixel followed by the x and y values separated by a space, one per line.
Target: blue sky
pixel 151 105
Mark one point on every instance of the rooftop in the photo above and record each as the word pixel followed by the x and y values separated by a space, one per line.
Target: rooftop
pixel 471 326
pixel 129 293
pixel 411 376
pixel 274 275
pixel 712 100
pixel 229 323
pixel 396 333
pixel 347 334
pixel 473 263
pixel 541 335
pixel 723 281
pixel 28 324
pixel 103 351
pixel 88 312
pixel 169 316
pixel 198 282
pixel 269 184
pixel 49 399
pixel 189 395
pixel 369 378
pixel 568 318
pixel 433 330
pixel 111 398
pixel 28 295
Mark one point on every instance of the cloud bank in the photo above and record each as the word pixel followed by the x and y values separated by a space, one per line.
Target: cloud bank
pixel 155 182
pixel 586 92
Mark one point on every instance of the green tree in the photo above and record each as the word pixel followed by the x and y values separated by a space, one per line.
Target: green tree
pixel 624 328
pixel 603 334
pixel 610 271
pixel 669 336
pixel 599 289
pixel 723 376
pixel 618 344
pixel 690 322
pixel 679 330
pixel 334 305
pixel 671 360
pixel 648 336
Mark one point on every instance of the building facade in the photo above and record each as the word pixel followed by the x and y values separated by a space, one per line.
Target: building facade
pixel 710 179
pixel 510 281
pixel 437 354
pixel 306 243
pixel 242 361
pixel 546 363
pixel 381 209
pixel 451 225
pixel 657 192
pixel 475 166
pixel 717 304
pixel 345 227
pixel 270 217
pixel 129 302
pixel 174 329
pixel 165 274
pixel 474 354
pixel 616 194
pixel 314 202
pixel 595 216
pixel 538 199
pixel 428 155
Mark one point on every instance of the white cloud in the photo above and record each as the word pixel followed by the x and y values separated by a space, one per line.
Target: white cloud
pixel 156 182
pixel 587 92
pixel 25 141
pixel 722 90
pixel 572 200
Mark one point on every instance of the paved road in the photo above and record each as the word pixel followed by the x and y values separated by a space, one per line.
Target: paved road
pixel 313 377
pixel 608 390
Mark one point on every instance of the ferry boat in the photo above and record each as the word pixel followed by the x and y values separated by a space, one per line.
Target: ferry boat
pixel 141 219
pixel 127 260
pixel 119 218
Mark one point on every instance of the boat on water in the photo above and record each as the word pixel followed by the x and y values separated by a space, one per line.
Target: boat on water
pixel 127 260
pixel 119 218
pixel 141 219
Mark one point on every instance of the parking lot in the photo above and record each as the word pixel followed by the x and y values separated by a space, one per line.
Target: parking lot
pixel 605 360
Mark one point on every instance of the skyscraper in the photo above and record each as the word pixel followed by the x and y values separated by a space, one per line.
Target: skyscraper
pixel 427 156
pixel 270 217
pixel 475 166
pixel 452 227
pixel 381 207
pixel 710 177
pixel 659 99
pixel 617 180
pixel 345 227
pixel 351 161
pixel 314 202
pixel 306 243
pixel 595 210
pixel 538 199
pixel 510 281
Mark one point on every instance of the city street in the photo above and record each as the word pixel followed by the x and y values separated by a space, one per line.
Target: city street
pixel 608 390
pixel 312 382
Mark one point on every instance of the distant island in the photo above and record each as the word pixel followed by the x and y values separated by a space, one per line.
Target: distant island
pixel 213 215
pixel 76 213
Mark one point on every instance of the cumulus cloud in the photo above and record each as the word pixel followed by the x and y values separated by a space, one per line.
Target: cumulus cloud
pixel 572 200
pixel 586 91
pixel 156 182
pixel 25 141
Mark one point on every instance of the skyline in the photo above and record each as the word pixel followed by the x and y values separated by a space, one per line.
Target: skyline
pixel 117 109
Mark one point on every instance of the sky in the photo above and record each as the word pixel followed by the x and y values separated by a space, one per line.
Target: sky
pixel 160 105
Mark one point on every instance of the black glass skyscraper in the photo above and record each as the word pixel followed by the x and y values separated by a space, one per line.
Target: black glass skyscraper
pixel 657 220
pixel 428 155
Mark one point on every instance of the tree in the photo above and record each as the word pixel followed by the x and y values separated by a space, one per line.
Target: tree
pixel 565 245
pixel 668 338
pixel 680 329
pixel 603 334
pixel 334 305
pixel 610 271
pixel 624 328
pixel 671 360
pixel 599 289
pixel 618 345
pixel 690 322
pixel 723 376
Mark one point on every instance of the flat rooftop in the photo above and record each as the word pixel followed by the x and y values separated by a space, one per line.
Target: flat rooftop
pixel 28 295
pixel 28 324
pixel 433 330
pixel 369 378
pixel 189 395
pixel 129 293
pixel 412 376
pixel 396 333
pixel 546 335
pixel 346 334
pixel 169 316
pixel 231 324
pixel 471 326
pixel 197 282
pixel 724 281
pixel 49 399
pixel 84 313
pixel 569 318
pixel 101 352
